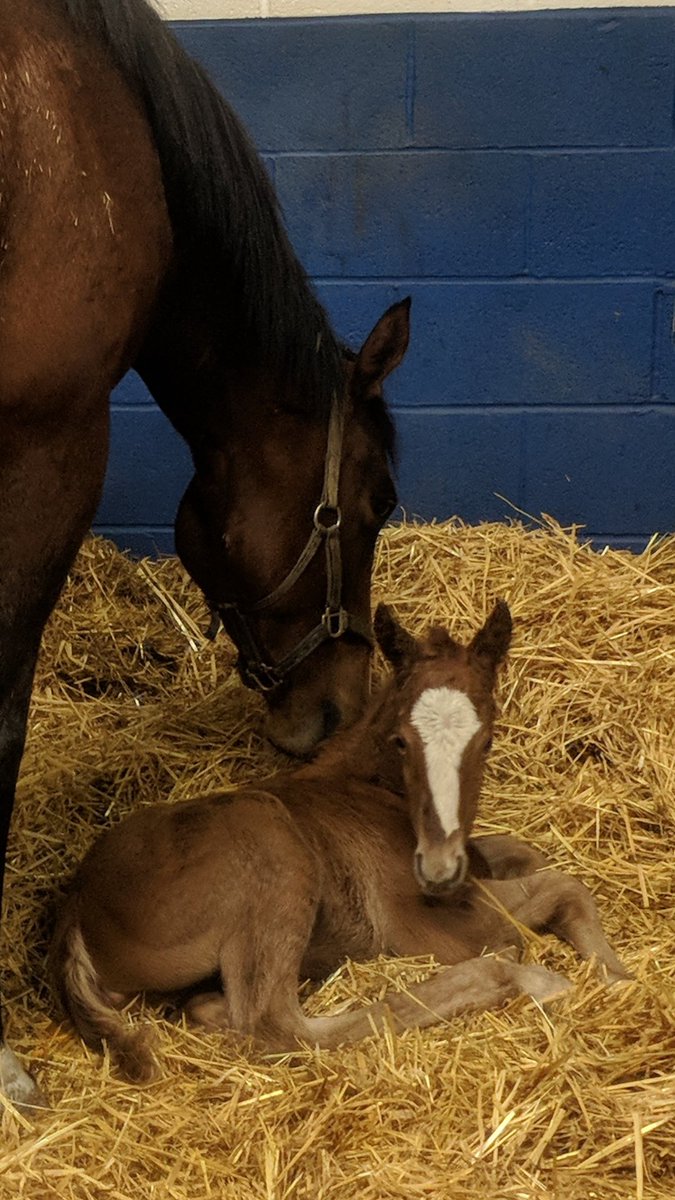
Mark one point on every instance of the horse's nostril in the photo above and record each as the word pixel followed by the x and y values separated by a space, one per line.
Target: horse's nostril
pixel 458 873
pixel 331 717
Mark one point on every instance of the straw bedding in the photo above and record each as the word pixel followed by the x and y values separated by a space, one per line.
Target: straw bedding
pixel 132 704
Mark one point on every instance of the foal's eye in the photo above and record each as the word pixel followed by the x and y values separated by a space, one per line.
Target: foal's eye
pixel 399 742
pixel 488 746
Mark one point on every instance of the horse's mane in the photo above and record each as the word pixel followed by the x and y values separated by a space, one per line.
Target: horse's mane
pixel 222 206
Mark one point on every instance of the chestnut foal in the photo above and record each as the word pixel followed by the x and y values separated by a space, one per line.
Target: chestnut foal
pixel 363 851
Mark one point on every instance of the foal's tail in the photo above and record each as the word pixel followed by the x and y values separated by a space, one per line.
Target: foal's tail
pixel 91 1008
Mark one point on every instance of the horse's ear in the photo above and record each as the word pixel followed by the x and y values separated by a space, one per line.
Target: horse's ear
pixel 492 641
pixel 398 646
pixel 386 344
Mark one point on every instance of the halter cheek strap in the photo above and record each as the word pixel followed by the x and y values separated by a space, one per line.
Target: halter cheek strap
pixel 257 672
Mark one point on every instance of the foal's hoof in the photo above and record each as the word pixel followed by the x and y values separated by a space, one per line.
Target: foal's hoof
pixel 542 985
pixel 16 1085
pixel 613 978
pixel 208 1010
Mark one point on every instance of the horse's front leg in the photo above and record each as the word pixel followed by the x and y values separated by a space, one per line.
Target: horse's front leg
pixel 51 471
pixel 551 901
pixel 502 856
pixel 456 937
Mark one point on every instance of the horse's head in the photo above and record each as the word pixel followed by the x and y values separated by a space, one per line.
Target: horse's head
pixel 278 528
pixel 443 730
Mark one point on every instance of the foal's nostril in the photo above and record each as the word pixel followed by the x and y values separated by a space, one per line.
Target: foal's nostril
pixel 331 717
pixel 443 877
pixel 459 871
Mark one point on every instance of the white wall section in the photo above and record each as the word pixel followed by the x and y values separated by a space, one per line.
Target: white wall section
pixel 194 10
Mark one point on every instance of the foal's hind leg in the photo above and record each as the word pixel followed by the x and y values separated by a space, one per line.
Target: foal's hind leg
pixel 209 1010
pixel 51 470
pixel 270 914
pixel 260 973
pixel 471 986
pixel 555 902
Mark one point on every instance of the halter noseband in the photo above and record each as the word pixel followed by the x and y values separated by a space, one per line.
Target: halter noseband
pixel 265 676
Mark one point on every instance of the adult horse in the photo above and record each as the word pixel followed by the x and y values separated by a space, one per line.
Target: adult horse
pixel 138 227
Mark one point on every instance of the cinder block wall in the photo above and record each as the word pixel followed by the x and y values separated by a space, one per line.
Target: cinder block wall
pixel 515 173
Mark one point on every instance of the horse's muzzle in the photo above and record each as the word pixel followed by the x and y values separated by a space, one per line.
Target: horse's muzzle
pixel 439 882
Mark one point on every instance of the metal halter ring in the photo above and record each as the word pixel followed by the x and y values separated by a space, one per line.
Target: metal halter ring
pixel 259 676
pixel 335 622
pixel 327 517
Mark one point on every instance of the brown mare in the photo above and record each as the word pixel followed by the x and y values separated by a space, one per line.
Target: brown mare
pixel 361 852
pixel 138 228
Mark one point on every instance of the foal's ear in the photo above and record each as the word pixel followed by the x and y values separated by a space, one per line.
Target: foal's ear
pixel 398 646
pixel 493 640
pixel 386 344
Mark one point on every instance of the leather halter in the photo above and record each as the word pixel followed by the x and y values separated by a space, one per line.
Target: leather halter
pixel 263 675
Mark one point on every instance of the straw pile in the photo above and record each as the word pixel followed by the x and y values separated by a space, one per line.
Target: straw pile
pixel 132 704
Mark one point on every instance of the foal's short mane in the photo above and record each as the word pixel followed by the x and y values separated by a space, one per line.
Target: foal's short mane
pixel 222 206
pixel 439 643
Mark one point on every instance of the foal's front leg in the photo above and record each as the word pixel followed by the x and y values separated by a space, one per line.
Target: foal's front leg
pixel 555 902
pixel 502 856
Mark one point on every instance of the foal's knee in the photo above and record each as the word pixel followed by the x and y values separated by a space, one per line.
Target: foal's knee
pixel 573 903
pixel 504 856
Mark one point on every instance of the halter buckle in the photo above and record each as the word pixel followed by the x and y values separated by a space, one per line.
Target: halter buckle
pixel 260 677
pixel 327 517
pixel 335 622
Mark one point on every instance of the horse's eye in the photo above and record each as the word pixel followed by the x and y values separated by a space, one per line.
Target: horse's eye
pixel 383 506
pixel 488 746
pixel 399 742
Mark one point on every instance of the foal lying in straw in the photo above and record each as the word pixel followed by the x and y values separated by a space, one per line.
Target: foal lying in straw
pixel 365 850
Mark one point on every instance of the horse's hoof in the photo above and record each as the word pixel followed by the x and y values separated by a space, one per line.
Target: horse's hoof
pixel 617 978
pixel 543 986
pixel 16 1085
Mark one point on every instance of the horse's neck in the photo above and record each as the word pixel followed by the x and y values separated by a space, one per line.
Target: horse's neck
pixel 189 364
pixel 207 362
pixel 366 751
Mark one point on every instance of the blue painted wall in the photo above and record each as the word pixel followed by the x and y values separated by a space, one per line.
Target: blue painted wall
pixel 516 175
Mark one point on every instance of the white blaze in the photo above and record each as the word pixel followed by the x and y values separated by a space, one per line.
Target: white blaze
pixel 446 720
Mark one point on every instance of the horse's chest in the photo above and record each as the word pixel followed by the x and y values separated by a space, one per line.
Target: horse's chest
pixel 343 929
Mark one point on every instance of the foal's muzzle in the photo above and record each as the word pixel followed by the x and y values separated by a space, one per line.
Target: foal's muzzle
pixel 435 880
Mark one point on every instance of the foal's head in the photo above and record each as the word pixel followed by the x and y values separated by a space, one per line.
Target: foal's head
pixel 443 729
